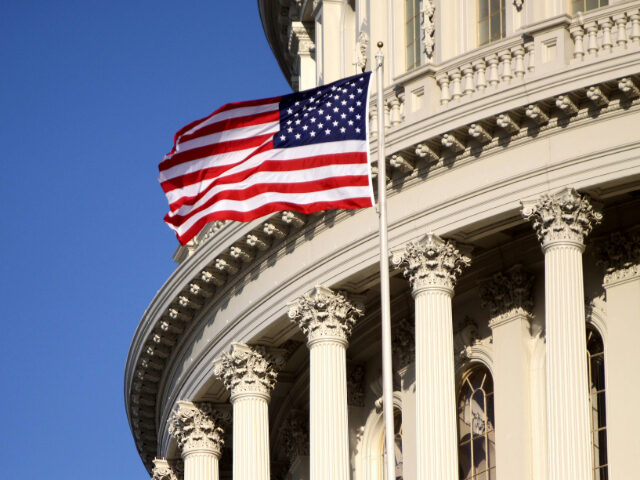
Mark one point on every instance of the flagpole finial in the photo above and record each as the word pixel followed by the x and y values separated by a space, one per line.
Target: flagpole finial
pixel 380 44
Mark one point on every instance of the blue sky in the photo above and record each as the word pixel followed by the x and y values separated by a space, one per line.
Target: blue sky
pixel 91 93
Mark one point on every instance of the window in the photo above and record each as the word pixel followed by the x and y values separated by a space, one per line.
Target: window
pixel 412 29
pixel 586 5
pixel 476 435
pixel 491 20
pixel 595 361
pixel 397 421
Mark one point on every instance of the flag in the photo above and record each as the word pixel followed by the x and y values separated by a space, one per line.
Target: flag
pixel 306 151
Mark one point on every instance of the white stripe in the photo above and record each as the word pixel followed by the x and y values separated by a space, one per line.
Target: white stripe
pixel 294 176
pixel 282 154
pixel 228 135
pixel 234 113
pixel 333 195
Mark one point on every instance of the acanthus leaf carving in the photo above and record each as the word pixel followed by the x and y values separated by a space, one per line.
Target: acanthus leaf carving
pixel 427 28
pixel 564 216
pixel 195 426
pixel 431 262
pixel 323 313
pixel 295 435
pixel 403 342
pixel 355 385
pixel 508 294
pixel 619 255
pixel 162 470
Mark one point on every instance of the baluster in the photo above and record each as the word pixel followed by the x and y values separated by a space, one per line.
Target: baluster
pixel 443 83
pixel 400 95
pixel 456 91
pixel 635 28
pixel 518 53
pixel 531 53
pixel 621 29
pixel 577 33
pixel 505 60
pixel 592 38
pixel 605 24
pixel 394 103
pixel 387 115
pixel 373 121
pixel 467 71
pixel 494 79
pixel 481 80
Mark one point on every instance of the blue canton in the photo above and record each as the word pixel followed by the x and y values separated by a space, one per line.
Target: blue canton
pixel 329 113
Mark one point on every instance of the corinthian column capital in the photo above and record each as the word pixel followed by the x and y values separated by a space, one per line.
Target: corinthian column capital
pixel 431 263
pixel 195 427
pixel 324 314
pixel 619 255
pixel 563 217
pixel 163 470
pixel 248 370
pixel 508 294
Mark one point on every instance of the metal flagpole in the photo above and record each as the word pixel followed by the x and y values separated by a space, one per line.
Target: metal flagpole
pixel 387 372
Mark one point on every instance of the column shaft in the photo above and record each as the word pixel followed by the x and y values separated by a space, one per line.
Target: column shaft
pixel 329 427
pixel 568 426
pixel 201 466
pixel 437 455
pixel 250 438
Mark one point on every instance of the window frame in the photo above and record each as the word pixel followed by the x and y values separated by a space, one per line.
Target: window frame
pixel 502 15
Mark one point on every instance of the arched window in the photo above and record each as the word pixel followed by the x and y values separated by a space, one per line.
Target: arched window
pixel 412 32
pixel 595 356
pixel 476 435
pixel 397 423
pixel 586 5
pixel 491 20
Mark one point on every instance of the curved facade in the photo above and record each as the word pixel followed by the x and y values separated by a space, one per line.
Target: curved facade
pixel 513 141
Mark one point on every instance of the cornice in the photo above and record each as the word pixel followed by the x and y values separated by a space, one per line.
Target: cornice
pixel 185 294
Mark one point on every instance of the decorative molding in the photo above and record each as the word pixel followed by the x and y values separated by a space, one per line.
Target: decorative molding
pixel 325 314
pixel 431 262
pixel 518 4
pixel 164 469
pixel 619 255
pixel 355 385
pixel 362 50
pixel 507 295
pixel 294 435
pixel 404 342
pixel 565 216
pixel 195 427
pixel 427 28
pixel 248 370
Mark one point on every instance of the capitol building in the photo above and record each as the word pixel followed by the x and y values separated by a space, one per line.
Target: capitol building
pixel 512 131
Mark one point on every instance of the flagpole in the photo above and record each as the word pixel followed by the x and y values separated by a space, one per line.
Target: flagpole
pixel 387 372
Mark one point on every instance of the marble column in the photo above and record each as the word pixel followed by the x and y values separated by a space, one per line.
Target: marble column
pixel 249 373
pixel 619 254
pixel 327 318
pixel 562 221
pixel 163 470
pixel 200 438
pixel 508 296
pixel 433 266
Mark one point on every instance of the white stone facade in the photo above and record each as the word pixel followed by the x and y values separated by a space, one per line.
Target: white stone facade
pixel 514 226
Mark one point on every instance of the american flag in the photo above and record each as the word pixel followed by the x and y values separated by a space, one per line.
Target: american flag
pixel 306 151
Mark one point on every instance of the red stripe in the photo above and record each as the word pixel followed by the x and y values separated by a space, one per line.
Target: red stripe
pixel 231 123
pixel 250 192
pixel 228 106
pixel 348 204
pixel 268 165
pixel 214 149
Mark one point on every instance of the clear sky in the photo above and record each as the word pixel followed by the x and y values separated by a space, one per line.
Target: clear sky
pixel 91 93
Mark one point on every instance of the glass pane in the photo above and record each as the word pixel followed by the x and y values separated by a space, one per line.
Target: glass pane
pixel 591 4
pixel 604 3
pixel 495 27
pixel 410 56
pixel 464 460
pixel 577 6
pixel 483 9
pixel 483 31
pixel 479 455
pixel 408 10
pixel 495 6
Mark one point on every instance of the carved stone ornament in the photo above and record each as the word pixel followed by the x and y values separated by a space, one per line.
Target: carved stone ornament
pixel 518 4
pixel 403 342
pixel 619 255
pixel 362 51
pixel 295 435
pixel 195 427
pixel 323 313
pixel 508 294
pixel 427 27
pixel 431 262
pixel 162 470
pixel 248 370
pixel 355 385
pixel 561 217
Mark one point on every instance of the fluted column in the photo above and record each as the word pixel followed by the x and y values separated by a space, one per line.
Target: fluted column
pixel 508 297
pixel 562 221
pixel 619 254
pixel 249 373
pixel 327 318
pixel 433 267
pixel 200 438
